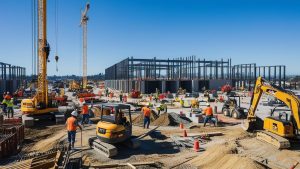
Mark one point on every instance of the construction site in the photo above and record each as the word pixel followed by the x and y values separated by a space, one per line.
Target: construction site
pixel 144 112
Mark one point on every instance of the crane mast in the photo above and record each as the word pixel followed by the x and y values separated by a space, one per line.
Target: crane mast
pixel 43 53
pixel 83 23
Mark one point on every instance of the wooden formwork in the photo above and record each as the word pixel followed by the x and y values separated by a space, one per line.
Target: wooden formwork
pixel 8 145
pixel 49 160
pixel 7 129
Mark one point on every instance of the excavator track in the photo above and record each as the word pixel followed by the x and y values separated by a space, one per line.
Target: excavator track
pixel 110 150
pixel 273 139
pixel 101 147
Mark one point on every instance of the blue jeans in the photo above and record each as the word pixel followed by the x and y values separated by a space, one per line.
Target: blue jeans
pixel 84 118
pixel 4 109
pixel 209 118
pixel 146 121
pixel 71 136
pixel 10 110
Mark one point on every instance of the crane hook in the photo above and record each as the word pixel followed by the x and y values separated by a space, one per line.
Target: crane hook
pixel 56 60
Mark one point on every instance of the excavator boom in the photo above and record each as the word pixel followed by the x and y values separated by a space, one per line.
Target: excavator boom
pixel 275 129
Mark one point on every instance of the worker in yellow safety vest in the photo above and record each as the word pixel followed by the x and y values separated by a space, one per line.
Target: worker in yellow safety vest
pixel 72 125
pixel 10 107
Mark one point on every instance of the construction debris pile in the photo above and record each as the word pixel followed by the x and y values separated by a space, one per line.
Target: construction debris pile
pixel 140 118
pixel 172 119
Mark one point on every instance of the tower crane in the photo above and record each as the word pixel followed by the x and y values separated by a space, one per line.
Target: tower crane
pixel 41 103
pixel 83 24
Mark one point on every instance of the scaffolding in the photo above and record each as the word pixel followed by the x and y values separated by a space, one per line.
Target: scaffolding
pixel 11 77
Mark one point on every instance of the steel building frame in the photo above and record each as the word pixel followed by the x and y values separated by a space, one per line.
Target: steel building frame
pixel 187 68
pixel 189 71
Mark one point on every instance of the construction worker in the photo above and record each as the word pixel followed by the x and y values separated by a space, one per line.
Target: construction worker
pixel 10 108
pixel 4 106
pixel 72 125
pixel 121 96
pixel 208 111
pixel 106 92
pixel 7 96
pixel 146 111
pixel 181 102
pixel 85 113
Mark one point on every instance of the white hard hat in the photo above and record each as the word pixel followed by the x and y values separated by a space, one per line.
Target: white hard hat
pixel 74 113
pixel 207 104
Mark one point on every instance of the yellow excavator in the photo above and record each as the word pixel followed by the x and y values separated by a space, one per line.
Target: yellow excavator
pixel 74 86
pixel 41 103
pixel 113 128
pixel 278 130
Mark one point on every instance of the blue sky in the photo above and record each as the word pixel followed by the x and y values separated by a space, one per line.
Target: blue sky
pixel 266 32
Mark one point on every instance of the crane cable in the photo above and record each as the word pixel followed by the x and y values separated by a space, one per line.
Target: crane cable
pixel 56 33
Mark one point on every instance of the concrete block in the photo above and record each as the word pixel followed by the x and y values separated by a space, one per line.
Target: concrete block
pixel 27 121
pixel 196 118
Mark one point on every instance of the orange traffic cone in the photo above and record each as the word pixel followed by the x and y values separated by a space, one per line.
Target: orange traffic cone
pixel 196 145
pixel 181 126
pixel 184 133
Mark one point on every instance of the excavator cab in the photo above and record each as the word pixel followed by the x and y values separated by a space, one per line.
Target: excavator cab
pixel 113 126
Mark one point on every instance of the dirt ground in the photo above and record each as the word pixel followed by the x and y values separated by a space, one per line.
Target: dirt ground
pixel 234 149
pixel 42 137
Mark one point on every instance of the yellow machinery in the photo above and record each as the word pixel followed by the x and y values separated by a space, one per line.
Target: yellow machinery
pixel 113 128
pixel 74 86
pixel 232 107
pixel 40 103
pixel 277 130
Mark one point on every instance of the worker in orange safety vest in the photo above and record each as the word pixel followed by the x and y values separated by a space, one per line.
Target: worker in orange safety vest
pixel 146 111
pixel 208 112
pixel 85 113
pixel 72 125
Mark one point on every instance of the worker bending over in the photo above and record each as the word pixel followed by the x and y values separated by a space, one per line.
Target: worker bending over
pixel 72 125
pixel 85 113
pixel 208 111
pixel 146 110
